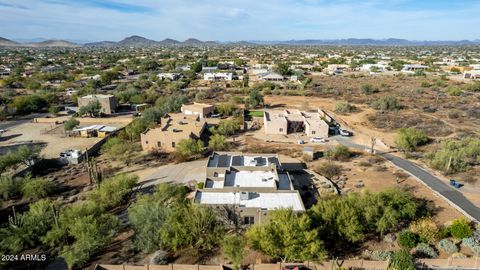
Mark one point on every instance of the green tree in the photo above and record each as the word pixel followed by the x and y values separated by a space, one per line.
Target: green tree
pixel 408 139
pixel 233 247
pixel 37 188
pixel 189 147
pixel 92 109
pixel 28 104
pixel 386 103
pixel 255 99
pixel 53 110
pixel 113 191
pixel 283 69
pixel 339 152
pixel 25 230
pixel 218 142
pixel 287 236
pixel 71 123
pixel 227 127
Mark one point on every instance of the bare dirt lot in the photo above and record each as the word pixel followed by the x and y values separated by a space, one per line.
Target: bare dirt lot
pixel 51 136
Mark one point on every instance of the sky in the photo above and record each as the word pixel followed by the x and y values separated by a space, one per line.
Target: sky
pixel 235 20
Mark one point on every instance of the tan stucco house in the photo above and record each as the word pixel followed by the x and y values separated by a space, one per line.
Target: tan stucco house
pixel 200 109
pixel 108 103
pixel 283 122
pixel 172 129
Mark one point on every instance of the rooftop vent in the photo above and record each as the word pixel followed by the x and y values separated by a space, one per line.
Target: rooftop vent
pixel 244 195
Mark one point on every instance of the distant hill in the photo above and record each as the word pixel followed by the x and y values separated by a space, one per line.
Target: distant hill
pixel 139 41
pixel 136 41
pixel 7 42
pixel 52 43
pixel 367 42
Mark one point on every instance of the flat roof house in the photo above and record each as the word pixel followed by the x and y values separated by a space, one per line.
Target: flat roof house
pixel 410 68
pixel 251 184
pixel 172 129
pixel 283 122
pixel 219 76
pixel 108 103
pixel 201 109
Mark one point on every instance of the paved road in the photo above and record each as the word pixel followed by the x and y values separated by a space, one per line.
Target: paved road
pixel 451 194
pixel 179 173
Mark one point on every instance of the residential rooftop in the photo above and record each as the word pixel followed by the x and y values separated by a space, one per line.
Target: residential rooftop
pixel 262 200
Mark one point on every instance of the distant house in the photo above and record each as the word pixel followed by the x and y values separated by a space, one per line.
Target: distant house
pixel 209 69
pixel 371 67
pixel 336 69
pixel 411 68
pixel 271 76
pixel 283 122
pixel 472 75
pixel 169 75
pixel 252 185
pixel 108 103
pixel 172 129
pixel 220 76
pixel 200 109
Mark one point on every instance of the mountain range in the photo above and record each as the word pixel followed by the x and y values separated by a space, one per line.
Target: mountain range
pixel 138 41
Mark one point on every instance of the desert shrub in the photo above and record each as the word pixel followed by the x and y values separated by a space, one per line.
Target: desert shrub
pixel 37 188
pixel 339 152
pixel 458 255
pixel 10 187
pixel 329 169
pixel 112 191
pixel 408 139
pixel 460 229
pixel 426 229
pixel 425 251
pixel 350 218
pixel 407 239
pixel 386 103
pixel 71 124
pixel 447 246
pixel 343 107
pixel 473 243
pixel 456 155
pixel 368 89
pixel 381 255
pixel 454 91
pixel 401 260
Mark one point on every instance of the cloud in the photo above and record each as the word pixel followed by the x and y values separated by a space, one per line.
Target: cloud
pixel 240 19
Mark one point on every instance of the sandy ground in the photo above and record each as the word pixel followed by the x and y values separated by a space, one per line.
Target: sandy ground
pixel 51 136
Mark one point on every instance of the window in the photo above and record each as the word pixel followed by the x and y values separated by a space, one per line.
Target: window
pixel 313 132
pixel 281 130
pixel 159 144
pixel 173 144
pixel 146 142
pixel 249 220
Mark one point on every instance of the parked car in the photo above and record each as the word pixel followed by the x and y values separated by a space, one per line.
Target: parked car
pixel 455 183
pixel 345 132
pixel 301 142
pixel 317 140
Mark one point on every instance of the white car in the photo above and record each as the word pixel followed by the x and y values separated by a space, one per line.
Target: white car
pixel 2 131
pixel 317 140
pixel 345 132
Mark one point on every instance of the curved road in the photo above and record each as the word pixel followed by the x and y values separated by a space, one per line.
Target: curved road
pixel 447 192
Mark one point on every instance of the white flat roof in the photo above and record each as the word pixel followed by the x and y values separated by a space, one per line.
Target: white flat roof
pixel 269 201
pixel 250 179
